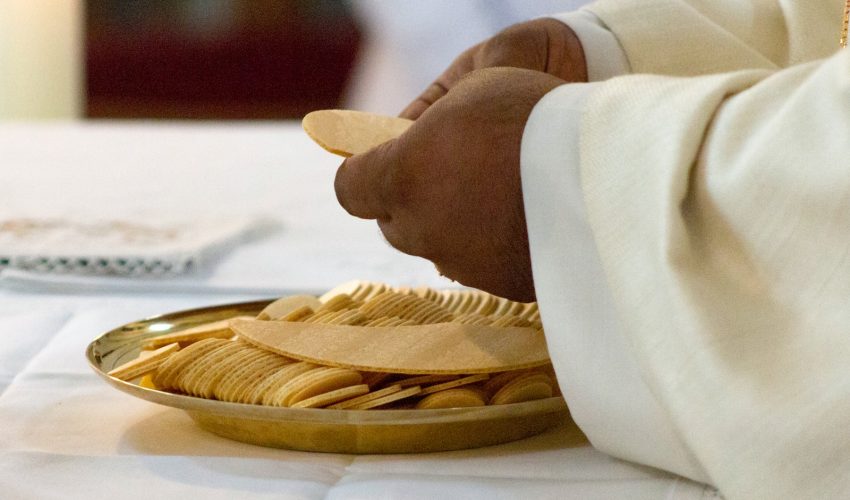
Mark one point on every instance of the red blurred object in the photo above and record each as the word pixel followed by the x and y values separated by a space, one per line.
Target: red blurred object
pixel 270 60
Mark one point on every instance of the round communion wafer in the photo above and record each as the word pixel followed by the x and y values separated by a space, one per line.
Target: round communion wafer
pixel 510 320
pixel 350 288
pixel 529 311
pixel 299 314
pixel 232 387
pixel 452 398
pixel 487 305
pixel 212 376
pixel 265 390
pixel 410 307
pixel 348 403
pixel 171 367
pixel 144 364
pixel 313 383
pixel 240 363
pixel 320 317
pixel 204 368
pixel 260 370
pixel 349 317
pixel 480 377
pixel 328 398
pixel 216 329
pixel 427 293
pixel 473 319
pixel 383 304
pixel 499 380
pixel 391 398
pixel 437 348
pixel 338 302
pixel 526 387
pixel 425 379
pixel 348 133
pixel 283 306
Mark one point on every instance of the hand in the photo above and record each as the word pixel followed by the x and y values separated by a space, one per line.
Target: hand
pixel 449 188
pixel 545 45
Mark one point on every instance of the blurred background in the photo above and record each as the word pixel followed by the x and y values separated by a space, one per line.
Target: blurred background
pixel 234 59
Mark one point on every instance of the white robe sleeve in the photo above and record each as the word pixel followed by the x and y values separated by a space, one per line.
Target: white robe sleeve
pixel 599 376
pixel 700 37
pixel 603 54
pixel 719 207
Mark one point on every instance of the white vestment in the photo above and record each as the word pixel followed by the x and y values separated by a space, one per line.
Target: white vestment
pixel 690 235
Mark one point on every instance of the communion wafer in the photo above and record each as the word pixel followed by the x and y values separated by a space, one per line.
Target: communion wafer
pixel 217 329
pixel 247 365
pixel 315 382
pixel 261 369
pixel 331 397
pixel 206 367
pixel 527 387
pixel 350 288
pixel 391 398
pixel 337 303
pixel 348 403
pixel 144 364
pixel 438 348
pixel 234 366
pixel 348 133
pixel 425 379
pixel 369 290
pixel 383 304
pixel 480 377
pixel 411 307
pixel 211 378
pixel 175 363
pixel 283 306
pixel 473 319
pixel 452 398
pixel 499 380
pixel 487 305
pixel 266 389
pixel 349 317
pixel 510 320
pixel 300 314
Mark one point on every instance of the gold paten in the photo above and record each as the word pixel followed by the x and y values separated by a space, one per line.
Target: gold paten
pixel 323 430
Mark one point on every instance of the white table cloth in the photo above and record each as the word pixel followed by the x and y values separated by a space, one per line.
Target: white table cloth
pixel 64 433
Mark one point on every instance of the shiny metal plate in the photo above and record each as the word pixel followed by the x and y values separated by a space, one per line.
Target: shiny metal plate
pixel 322 430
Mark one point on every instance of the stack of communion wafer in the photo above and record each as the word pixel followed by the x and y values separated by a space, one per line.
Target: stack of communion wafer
pixel 360 346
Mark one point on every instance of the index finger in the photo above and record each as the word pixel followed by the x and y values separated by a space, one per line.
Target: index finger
pixel 457 69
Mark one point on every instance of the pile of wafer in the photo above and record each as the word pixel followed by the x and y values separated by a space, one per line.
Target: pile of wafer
pixel 360 346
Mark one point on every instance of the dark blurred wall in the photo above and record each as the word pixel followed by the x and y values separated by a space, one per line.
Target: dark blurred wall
pixel 216 59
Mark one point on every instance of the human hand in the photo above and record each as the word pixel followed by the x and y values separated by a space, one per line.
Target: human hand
pixel 449 188
pixel 545 45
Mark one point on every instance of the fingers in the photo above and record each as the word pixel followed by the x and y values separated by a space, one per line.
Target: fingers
pixel 362 182
pixel 456 70
pixel 435 91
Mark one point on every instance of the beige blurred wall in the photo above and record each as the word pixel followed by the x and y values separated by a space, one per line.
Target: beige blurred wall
pixel 41 59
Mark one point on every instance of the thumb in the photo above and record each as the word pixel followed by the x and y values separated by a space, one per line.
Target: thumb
pixel 363 181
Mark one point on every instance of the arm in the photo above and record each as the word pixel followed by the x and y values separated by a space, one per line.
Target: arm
pixel 697 37
pixel 722 233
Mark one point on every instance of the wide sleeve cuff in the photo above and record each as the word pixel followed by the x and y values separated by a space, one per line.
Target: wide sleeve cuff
pixel 603 54
pixel 593 359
